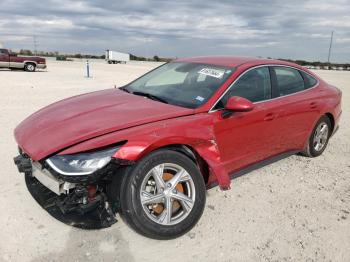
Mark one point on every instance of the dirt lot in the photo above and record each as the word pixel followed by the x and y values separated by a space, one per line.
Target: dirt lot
pixel 296 209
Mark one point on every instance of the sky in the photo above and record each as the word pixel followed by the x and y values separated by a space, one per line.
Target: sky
pixel 179 28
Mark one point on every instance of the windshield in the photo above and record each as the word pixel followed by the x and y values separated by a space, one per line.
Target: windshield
pixel 184 84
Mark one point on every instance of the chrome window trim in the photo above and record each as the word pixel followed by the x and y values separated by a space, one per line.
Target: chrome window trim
pixel 267 100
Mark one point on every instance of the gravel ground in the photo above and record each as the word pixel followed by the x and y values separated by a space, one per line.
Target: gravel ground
pixel 296 209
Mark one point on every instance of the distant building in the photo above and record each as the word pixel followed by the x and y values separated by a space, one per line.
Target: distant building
pixel 310 67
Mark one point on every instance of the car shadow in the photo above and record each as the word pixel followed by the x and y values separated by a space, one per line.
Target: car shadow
pixel 21 70
pixel 93 245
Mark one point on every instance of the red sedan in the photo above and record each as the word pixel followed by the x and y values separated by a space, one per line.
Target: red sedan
pixel 150 149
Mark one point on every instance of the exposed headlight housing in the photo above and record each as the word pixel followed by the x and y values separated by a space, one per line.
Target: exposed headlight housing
pixel 81 163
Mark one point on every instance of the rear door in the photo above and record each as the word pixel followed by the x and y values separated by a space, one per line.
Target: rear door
pixel 16 61
pixel 4 58
pixel 298 104
pixel 248 137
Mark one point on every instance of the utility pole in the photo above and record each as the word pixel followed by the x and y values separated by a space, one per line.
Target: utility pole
pixel 330 49
pixel 35 44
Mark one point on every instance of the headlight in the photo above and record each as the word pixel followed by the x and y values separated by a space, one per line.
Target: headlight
pixel 81 163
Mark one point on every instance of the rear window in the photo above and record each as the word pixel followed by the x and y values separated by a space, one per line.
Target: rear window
pixel 309 80
pixel 289 80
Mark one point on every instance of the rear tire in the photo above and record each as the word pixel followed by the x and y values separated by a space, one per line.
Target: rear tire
pixel 30 67
pixel 163 195
pixel 319 138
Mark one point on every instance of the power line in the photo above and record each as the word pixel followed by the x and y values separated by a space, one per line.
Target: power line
pixel 330 47
pixel 35 44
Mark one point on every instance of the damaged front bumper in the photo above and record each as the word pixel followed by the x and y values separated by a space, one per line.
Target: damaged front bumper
pixel 53 182
pixel 80 201
pixel 35 169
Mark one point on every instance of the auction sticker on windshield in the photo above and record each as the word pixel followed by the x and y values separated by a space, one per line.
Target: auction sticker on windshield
pixel 213 72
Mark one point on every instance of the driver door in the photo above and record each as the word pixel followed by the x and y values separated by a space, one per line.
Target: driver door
pixel 247 137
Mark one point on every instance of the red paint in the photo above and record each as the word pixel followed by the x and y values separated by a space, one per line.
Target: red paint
pixel 83 117
pixel 227 144
pixel 239 104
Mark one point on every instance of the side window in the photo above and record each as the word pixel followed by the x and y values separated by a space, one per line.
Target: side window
pixel 309 80
pixel 289 80
pixel 254 85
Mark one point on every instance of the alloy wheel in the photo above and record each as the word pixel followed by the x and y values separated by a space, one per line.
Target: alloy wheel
pixel 320 136
pixel 167 194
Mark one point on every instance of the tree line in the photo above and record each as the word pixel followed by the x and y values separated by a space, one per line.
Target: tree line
pixel 316 64
pixel 61 56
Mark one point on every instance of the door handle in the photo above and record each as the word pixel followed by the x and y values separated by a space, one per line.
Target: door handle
pixel 269 117
pixel 313 105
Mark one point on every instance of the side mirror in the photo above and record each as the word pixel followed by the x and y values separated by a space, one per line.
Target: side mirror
pixel 239 104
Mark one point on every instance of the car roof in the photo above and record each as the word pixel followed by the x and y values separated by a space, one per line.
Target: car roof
pixel 232 61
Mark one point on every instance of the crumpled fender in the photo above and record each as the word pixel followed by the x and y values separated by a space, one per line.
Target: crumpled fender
pixel 195 131
pixel 211 154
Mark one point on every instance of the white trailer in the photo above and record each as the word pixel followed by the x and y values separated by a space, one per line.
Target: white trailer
pixel 114 57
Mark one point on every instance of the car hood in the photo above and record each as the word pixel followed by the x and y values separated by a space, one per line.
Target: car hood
pixel 73 120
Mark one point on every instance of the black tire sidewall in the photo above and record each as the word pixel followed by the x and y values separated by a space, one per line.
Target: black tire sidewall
pixel 313 152
pixel 132 210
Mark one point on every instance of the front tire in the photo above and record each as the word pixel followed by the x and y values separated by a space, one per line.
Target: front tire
pixel 319 138
pixel 29 67
pixel 163 195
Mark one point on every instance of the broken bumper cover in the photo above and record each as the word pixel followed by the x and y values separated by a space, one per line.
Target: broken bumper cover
pixel 54 182
pixel 80 201
pixel 23 163
pixel 59 183
pixel 95 214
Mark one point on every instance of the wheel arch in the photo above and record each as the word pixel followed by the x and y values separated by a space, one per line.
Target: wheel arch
pixel 30 62
pixel 331 119
pixel 191 153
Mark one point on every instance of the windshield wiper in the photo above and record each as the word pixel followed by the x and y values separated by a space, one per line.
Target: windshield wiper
pixel 124 89
pixel 153 97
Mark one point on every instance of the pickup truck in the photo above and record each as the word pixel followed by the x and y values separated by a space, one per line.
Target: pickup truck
pixel 28 63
